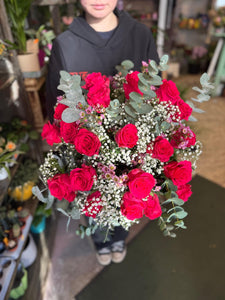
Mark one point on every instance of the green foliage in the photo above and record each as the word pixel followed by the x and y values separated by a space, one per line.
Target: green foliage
pixel 124 68
pixel 70 85
pixel 204 94
pixel 114 109
pixel 173 213
pixel 41 211
pixel 27 171
pixel 17 11
pixel 48 200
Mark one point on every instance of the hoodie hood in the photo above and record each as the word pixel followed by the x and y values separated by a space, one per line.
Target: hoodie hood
pixel 82 29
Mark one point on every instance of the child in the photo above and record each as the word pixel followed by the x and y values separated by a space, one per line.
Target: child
pixel 96 42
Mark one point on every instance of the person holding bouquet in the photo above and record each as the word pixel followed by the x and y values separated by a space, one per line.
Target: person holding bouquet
pixel 97 41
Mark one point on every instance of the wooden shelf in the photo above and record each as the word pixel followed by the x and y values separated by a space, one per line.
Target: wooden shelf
pixel 8 279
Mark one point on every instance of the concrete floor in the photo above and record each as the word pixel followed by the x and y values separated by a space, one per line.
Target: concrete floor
pixel 74 265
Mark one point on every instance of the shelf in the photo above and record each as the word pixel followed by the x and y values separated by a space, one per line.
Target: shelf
pixel 14 256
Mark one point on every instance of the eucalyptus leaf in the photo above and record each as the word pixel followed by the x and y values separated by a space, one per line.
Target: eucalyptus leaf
pixel 127 64
pixel 181 214
pixel 192 119
pixel 63 211
pixel 130 111
pixel 152 68
pixel 75 213
pixel 70 115
pixel 156 80
pixel 88 231
pixel 175 209
pixel 65 75
pixel 36 192
pixel 165 126
pixel 50 200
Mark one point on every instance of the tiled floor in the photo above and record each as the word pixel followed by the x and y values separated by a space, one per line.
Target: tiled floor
pixel 73 264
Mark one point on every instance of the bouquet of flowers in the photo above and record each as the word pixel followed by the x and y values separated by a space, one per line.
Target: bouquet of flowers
pixel 121 149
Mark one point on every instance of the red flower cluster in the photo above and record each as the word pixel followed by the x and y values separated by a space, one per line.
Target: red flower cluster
pixel 93 205
pixel 183 137
pixel 65 186
pixel 162 149
pixel 134 208
pixel 127 136
pixel 132 84
pixel 168 92
pixel 98 91
pixel 85 141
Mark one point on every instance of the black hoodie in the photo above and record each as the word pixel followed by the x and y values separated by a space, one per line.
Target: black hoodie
pixel 81 50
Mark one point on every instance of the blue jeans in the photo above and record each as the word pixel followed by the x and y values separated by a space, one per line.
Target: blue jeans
pixel 101 241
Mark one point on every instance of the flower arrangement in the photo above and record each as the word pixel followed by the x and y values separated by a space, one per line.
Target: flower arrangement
pixel 121 149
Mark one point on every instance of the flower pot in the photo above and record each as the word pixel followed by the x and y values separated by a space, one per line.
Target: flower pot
pixel 32 46
pixel 29 62
pixel 22 192
pixel 3 174
pixel 20 283
pixel 40 227
pixel 29 253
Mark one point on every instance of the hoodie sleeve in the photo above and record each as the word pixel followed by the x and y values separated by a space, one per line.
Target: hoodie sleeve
pixel 56 64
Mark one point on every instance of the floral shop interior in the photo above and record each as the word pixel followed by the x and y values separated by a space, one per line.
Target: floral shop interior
pixel 123 150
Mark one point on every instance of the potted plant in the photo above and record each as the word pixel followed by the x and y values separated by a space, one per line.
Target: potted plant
pixel 17 11
pixel 7 154
pixel 25 178
pixel 39 221
pixel 43 38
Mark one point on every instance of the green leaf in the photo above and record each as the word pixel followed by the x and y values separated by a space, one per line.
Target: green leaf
pixel 130 111
pixel 88 231
pixel 152 68
pixel 176 201
pixel 156 80
pixel 36 192
pixel 70 115
pixel 65 75
pixel 75 213
pixel 181 214
pixel 63 211
pixel 127 64
pixel 165 126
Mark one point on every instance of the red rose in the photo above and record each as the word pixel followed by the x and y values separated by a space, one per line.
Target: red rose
pixel 167 91
pixel 59 110
pixel 140 183
pixel 183 137
pixel 153 209
pixel 59 185
pixel 184 192
pixel 94 78
pixel 127 136
pixel 99 91
pixel 99 97
pixel 82 179
pixel 132 208
pixel 162 149
pixel 69 195
pixel 179 172
pixel 132 84
pixel 87 143
pixel 185 109
pixel 93 205
pixel 68 131
pixel 51 133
